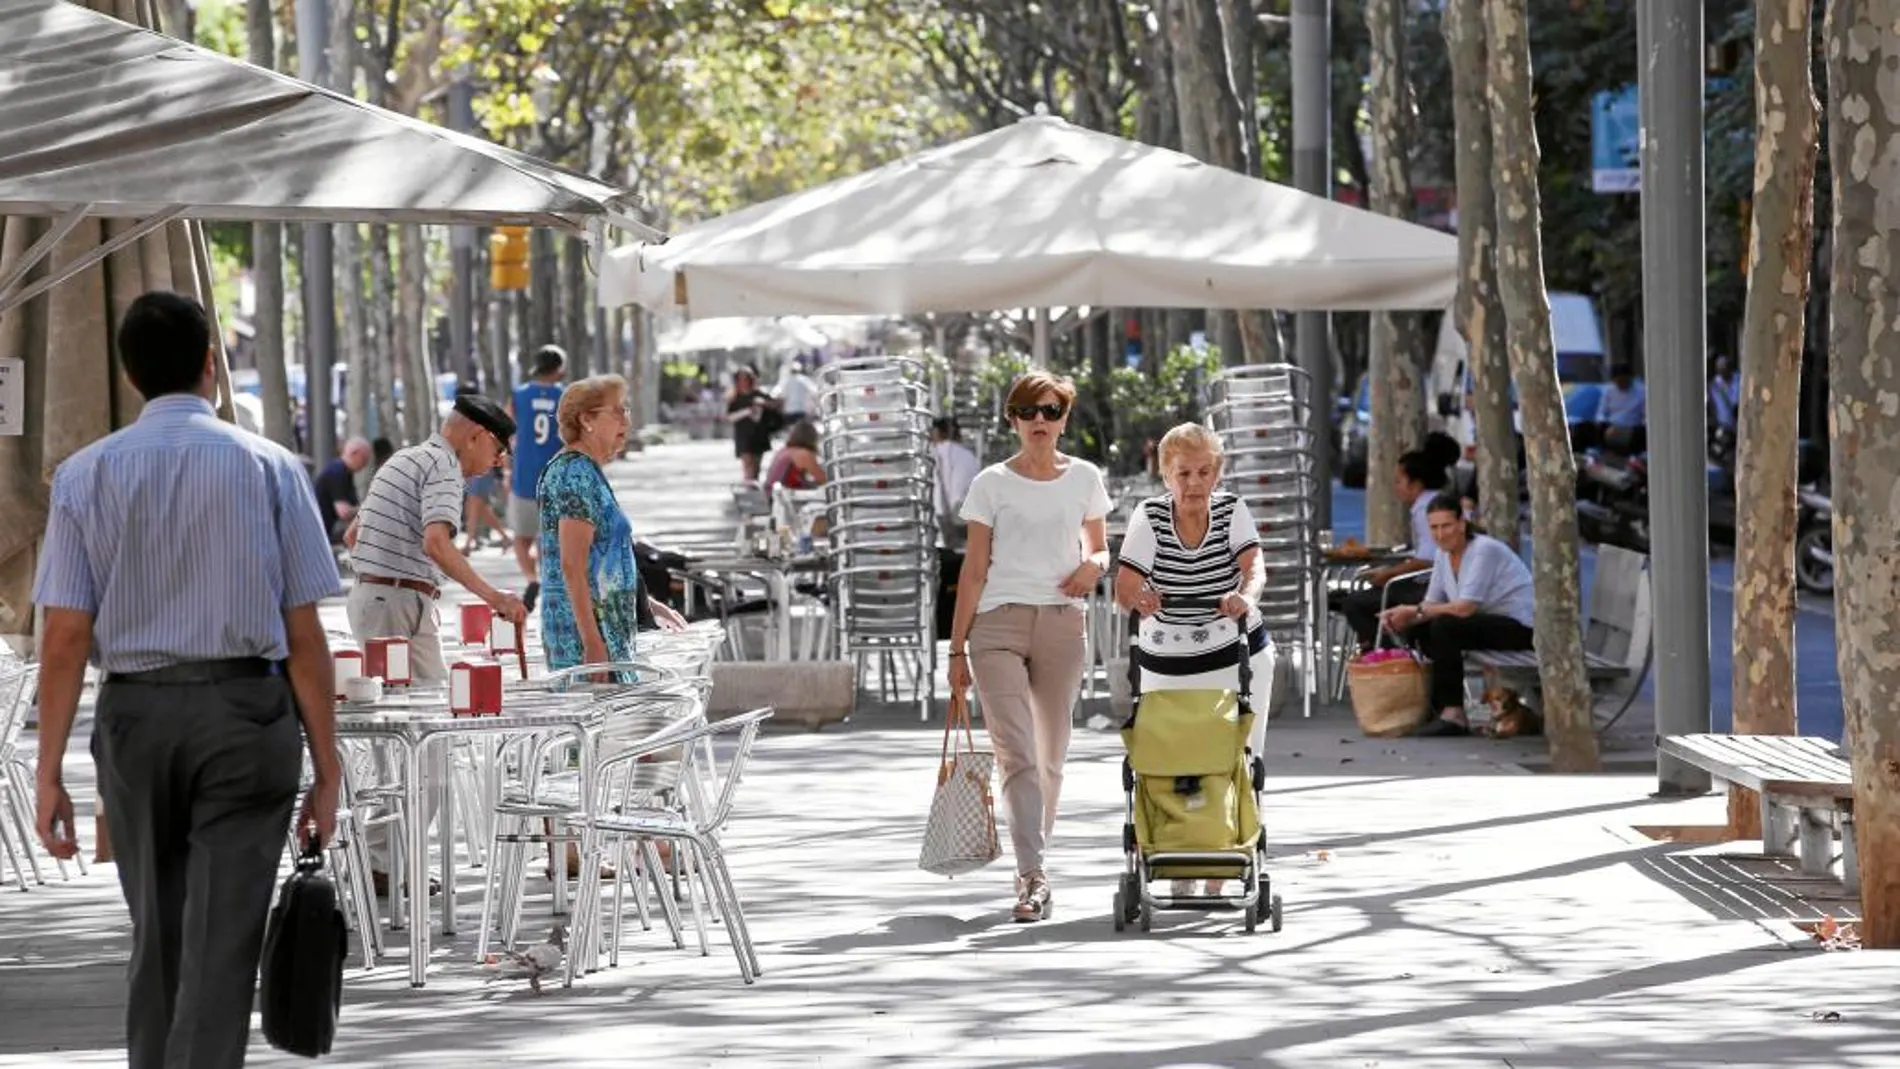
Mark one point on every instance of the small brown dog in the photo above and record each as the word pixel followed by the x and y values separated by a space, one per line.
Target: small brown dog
pixel 1510 717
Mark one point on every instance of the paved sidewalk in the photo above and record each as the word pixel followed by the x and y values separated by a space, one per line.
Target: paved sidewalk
pixel 1444 908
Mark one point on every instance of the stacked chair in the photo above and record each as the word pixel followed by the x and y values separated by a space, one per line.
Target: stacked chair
pixel 880 513
pixel 1261 414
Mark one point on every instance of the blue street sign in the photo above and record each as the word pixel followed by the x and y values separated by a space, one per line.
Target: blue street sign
pixel 1616 142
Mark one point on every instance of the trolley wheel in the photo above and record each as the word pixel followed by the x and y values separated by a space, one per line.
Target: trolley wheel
pixel 1147 917
pixel 1130 894
pixel 1253 918
pixel 1273 916
pixel 1121 916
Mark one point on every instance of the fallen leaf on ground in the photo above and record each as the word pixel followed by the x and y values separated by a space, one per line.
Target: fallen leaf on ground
pixel 1323 855
pixel 1829 1016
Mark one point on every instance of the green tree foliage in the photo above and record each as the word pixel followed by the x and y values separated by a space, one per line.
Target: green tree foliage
pixel 702 106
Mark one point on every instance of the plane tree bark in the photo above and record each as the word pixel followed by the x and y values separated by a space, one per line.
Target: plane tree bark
pixel 1781 245
pixel 1558 626
pixel 1863 355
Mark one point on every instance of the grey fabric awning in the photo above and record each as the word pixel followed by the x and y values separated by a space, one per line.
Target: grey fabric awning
pixel 105 119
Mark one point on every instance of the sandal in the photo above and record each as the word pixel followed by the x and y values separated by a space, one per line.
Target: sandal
pixel 1033 899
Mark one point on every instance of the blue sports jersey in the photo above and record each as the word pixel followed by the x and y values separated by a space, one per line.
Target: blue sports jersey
pixel 537 434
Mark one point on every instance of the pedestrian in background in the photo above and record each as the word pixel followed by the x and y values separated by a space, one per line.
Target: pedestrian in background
pixel 535 405
pixel 186 558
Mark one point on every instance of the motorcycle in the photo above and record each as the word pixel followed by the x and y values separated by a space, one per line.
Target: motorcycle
pixel 1613 499
pixel 1814 542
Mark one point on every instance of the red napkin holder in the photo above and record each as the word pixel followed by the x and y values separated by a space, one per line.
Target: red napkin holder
pixel 475 688
pixel 349 665
pixel 388 660
pixel 477 619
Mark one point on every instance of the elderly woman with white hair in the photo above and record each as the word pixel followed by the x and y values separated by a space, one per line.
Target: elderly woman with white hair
pixel 590 581
pixel 1196 542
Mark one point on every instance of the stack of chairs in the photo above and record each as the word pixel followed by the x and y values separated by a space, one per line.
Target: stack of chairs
pixel 1261 414
pixel 880 514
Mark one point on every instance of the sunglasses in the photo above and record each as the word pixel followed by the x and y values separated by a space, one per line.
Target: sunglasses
pixel 1051 413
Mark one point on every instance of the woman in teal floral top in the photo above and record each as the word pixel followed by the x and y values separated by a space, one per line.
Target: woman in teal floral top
pixel 590 585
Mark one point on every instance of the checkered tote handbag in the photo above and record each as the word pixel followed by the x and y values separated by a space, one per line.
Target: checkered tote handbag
pixel 961 834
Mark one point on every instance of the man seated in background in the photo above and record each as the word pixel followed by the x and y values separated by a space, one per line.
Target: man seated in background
pixel 1623 412
pixel 336 488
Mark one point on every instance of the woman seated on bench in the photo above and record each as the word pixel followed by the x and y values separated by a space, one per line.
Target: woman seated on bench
pixel 1479 599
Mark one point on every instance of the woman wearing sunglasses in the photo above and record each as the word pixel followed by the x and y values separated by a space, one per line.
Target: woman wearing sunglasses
pixel 1038 545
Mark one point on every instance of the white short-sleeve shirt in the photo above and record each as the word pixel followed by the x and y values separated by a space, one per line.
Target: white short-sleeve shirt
pixel 1490 576
pixel 1036 530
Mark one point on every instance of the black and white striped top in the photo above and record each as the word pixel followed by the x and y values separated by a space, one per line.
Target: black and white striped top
pixel 416 487
pixel 1187 641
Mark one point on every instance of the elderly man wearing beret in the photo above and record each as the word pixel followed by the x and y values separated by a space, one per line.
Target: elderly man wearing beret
pixel 402 547
pixel 403 541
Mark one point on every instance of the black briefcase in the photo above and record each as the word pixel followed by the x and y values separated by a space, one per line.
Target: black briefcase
pixel 301 982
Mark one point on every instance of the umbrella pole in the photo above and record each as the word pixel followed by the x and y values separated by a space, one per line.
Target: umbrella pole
pixel 1039 351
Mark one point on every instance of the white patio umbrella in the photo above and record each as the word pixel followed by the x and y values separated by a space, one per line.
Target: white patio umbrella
pixel 727 334
pixel 1036 215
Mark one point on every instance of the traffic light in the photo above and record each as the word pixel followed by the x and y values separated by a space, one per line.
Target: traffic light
pixel 508 258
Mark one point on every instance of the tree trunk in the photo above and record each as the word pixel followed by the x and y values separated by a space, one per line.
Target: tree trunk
pixel 1398 395
pixel 412 299
pixel 574 332
pixel 544 286
pixel 1214 128
pixel 1479 311
pixel 1863 353
pixel 384 359
pixel 352 349
pixel 503 315
pixel 181 20
pixel 1553 474
pixel 1781 243
pixel 267 268
pixel 1241 30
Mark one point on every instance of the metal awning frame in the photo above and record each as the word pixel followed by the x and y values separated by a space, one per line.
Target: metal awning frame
pixel 16 291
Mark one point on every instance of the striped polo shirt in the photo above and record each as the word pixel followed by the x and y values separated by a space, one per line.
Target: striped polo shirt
pixel 416 487
pixel 185 539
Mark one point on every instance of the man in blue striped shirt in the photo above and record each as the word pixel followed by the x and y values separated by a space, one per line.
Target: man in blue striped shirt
pixel 185 558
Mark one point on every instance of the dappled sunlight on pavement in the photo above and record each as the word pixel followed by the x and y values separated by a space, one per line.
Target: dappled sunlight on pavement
pixel 1443 908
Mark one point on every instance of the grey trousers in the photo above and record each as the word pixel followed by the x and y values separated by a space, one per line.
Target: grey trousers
pixel 199 781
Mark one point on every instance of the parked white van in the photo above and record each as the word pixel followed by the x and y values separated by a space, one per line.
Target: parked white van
pixel 1582 368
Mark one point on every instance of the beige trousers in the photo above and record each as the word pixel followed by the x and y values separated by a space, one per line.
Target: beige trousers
pixel 378 611
pixel 1027 662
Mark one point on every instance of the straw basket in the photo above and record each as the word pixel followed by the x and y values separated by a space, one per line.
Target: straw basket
pixel 1388 696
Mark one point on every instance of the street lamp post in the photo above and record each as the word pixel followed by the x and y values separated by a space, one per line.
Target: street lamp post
pixel 1312 173
pixel 1670 91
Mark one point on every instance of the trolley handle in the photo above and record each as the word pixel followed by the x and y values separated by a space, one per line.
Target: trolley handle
pixel 1183 604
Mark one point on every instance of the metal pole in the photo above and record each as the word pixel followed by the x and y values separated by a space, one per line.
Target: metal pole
pixel 1312 173
pixel 1039 348
pixel 319 274
pixel 462 257
pixel 1670 46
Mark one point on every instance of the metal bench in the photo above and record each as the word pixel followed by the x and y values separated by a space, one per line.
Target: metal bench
pixel 1616 647
pixel 1806 789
